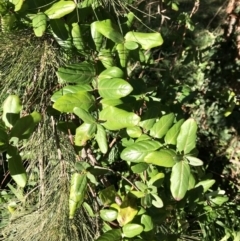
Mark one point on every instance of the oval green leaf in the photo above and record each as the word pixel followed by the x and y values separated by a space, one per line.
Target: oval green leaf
pixel 109 30
pixel 206 184
pixel 117 118
pixel 194 161
pixel 25 126
pixel 134 132
pixel 67 102
pixel 77 192
pixel 84 133
pixel 160 128
pixel 11 110
pixel 132 230
pixel 113 72
pixel 147 222
pixel 123 53
pixel 101 138
pixel 186 140
pixel 157 201
pixel 61 33
pixel 60 9
pixel 138 151
pixel 171 136
pixel 39 24
pixel 139 168
pixel 111 235
pixel 114 88
pixel 78 41
pixel 164 158
pixel 70 89
pixel 82 73
pixel 96 36
pixel 131 45
pixel 106 57
pixel 17 170
pixel 146 40
pixel 84 115
pixel 180 180
pixel 108 215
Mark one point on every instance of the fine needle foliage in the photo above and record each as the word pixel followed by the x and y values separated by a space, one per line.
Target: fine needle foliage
pixel 41 212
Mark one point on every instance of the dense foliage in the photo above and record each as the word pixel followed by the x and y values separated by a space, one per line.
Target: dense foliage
pixel 144 121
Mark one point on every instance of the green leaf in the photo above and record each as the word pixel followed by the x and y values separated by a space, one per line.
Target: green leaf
pixel 96 36
pixel 148 120
pixel 77 192
pixel 134 132
pixel 146 40
pixel 84 115
pixel 138 151
pixel 101 138
pixel 110 102
pixel 146 201
pixel 219 201
pixel 141 186
pixel 113 72
pixel 82 73
pixel 89 209
pixel 25 126
pixel 160 128
pixel 140 167
pixel 114 88
pixel 67 102
pixel 147 222
pixel 174 7
pixel 107 195
pixel 130 16
pixel 143 137
pixel 131 45
pixel 39 24
pixel 138 194
pixel 60 9
pixel 194 161
pixel 206 184
pixel 186 140
pixel 11 110
pixel 164 158
pixel 17 170
pixel 180 180
pixel 108 215
pixel 17 4
pixel 123 53
pixel 158 203
pixel 92 178
pixel 78 41
pixel 117 118
pixel 109 30
pixel 84 133
pixel 156 178
pixel 127 211
pixel 111 235
pixel 132 230
pixel 106 57
pixel 61 33
pixel 191 183
pixel 171 136
pixel 70 89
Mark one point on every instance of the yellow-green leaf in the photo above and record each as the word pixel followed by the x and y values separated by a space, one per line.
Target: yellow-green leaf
pixel 146 40
pixel 39 24
pixel 60 9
